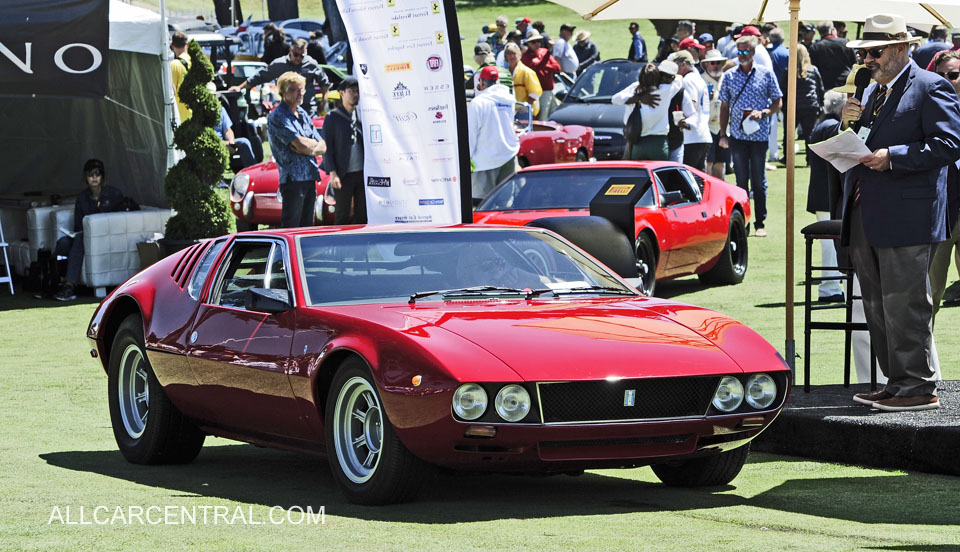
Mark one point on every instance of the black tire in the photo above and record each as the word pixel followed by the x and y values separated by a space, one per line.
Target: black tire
pixel 395 474
pixel 523 162
pixel 244 226
pixel 646 259
pixel 598 237
pixel 582 155
pixel 709 471
pixel 148 429
pixel 732 265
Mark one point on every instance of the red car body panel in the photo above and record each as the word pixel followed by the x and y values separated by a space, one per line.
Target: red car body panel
pixel 690 237
pixel 261 378
pixel 550 142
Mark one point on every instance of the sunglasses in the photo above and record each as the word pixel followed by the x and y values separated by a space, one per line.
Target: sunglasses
pixel 744 52
pixel 713 62
pixel 949 75
pixel 95 172
pixel 875 53
pixel 296 54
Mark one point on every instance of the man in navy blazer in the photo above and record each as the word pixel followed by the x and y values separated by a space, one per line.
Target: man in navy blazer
pixel 895 208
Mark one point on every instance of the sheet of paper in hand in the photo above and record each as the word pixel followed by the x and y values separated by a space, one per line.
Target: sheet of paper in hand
pixel 843 151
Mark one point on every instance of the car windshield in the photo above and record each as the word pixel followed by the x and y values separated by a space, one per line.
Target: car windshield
pixel 601 81
pixel 339 269
pixel 558 189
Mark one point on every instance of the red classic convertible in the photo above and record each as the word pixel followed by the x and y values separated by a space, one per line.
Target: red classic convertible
pixel 688 223
pixel 391 349
pixel 549 142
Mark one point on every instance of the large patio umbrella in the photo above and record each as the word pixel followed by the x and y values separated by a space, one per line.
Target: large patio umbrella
pixel 939 12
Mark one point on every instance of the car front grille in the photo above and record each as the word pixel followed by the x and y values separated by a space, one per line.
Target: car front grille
pixel 608 401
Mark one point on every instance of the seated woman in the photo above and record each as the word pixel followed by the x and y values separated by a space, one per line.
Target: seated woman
pixel 97 197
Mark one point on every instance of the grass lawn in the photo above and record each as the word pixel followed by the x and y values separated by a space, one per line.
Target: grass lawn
pixel 59 452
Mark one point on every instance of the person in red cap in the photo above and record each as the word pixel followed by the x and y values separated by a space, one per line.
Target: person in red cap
pixel 691 45
pixel 493 140
pixel 523 25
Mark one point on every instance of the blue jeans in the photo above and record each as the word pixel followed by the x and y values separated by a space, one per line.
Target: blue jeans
pixel 749 166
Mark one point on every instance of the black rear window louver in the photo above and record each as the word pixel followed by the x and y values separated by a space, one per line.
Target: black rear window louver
pixel 183 268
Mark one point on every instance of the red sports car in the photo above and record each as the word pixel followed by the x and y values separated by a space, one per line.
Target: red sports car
pixel 549 142
pixel 688 223
pixel 391 349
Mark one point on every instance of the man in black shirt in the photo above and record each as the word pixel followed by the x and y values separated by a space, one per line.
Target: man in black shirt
pixel 831 56
pixel 300 63
pixel 344 158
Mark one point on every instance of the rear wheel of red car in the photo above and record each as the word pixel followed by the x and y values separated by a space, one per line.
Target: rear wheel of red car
pixel 523 162
pixel 646 264
pixel 368 461
pixel 732 265
pixel 147 426
pixel 708 471
pixel 582 155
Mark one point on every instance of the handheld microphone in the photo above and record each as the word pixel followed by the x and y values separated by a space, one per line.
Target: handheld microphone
pixel 861 80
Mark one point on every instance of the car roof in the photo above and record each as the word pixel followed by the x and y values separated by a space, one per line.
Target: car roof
pixel 382 229
pixel 603 165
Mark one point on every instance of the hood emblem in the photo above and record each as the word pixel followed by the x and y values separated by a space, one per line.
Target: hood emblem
pixel 629 397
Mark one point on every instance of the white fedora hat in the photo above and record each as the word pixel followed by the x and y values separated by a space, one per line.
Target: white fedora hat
pixel 882 29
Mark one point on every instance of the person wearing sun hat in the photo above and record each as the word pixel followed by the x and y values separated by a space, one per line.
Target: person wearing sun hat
pixel 717 157
pixel 586 50
pixel 895 208
pixel 545 66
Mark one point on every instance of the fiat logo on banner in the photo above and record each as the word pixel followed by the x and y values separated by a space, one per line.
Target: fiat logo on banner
pixel 434 63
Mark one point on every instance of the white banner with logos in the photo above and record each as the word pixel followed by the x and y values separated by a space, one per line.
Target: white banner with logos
pixel 402 60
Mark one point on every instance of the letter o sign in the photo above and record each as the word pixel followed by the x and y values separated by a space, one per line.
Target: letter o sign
pixel 58 58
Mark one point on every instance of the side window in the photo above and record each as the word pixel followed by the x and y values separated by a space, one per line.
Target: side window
pixel 695 183
pixel 200 276
pixel 250 264
pixel 673 180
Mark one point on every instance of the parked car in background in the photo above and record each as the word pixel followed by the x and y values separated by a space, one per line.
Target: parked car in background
pixel 255 197
pixel 393 350
pixel 687 223
pixel 545 142
pixel 587 103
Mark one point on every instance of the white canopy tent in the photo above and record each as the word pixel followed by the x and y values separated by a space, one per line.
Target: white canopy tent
pixel 46 140
pixel 946 12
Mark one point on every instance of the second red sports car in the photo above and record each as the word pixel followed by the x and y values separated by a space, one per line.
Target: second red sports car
pixel 687 223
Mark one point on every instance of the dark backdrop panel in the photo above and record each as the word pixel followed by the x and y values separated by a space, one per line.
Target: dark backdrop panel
pixel 45 141
pixel 68 47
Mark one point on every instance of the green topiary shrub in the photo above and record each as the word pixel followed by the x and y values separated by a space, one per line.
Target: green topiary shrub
pixel 190 183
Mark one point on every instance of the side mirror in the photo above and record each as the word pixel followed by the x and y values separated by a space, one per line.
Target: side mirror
pixel 671 198
pixel 272 301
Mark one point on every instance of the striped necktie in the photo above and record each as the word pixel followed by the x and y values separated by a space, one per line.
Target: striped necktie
pixel 878 103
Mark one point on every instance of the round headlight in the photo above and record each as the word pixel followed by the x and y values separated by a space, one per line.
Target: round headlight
pixel 513 403
pixel 239 186
pixel 729 394
pixel 761 391
pixel 469 401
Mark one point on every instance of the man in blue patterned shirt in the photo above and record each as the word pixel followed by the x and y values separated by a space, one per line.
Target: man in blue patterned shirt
pixel 295 144
pixel 748 94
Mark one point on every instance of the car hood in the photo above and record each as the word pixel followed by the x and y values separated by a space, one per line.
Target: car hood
pixel 600 116
pixel 582 340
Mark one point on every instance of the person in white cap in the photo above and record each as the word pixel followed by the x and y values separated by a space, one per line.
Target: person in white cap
pixel 652 95
pixel 895 208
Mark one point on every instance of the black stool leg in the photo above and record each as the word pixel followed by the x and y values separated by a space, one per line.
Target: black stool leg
pixel 807 306
pixel 848 331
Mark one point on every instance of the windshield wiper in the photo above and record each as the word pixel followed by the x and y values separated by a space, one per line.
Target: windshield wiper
pixel 594 289
pixel 476 291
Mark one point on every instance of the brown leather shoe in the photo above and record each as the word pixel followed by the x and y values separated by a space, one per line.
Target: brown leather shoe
pixel 871 397
pixel 903 404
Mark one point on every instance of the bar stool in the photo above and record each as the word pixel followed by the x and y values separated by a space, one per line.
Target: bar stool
pixel 829 230
pixel 8 276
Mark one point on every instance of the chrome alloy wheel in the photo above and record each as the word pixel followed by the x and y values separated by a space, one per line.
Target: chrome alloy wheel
pixel 358 429
pixel 133 391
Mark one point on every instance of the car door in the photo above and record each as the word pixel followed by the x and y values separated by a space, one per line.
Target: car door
pixel 685 218
pixel 240 356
